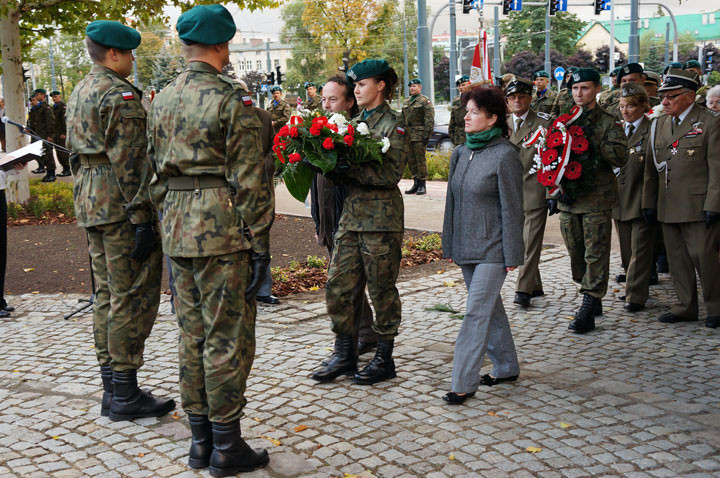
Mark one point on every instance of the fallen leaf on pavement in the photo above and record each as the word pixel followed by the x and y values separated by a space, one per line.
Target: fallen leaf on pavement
pixel 449 283
pixel 176 415
pixel 492 414
pixel 452 457
pixel 565 425
pixel 300 428
pixel 271 440
pixel 533 449
pixel 29 269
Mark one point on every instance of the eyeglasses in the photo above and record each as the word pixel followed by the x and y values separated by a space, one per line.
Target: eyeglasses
pixel 671 97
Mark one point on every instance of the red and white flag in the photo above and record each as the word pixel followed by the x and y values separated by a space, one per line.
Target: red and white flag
pixel 480 72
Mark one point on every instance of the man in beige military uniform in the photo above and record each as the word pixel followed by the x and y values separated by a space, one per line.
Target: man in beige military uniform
pixel 544 97
pixel 313 101
pixel 456 126
pixel 682 189
pixel 279 109
pixel 420 116
pixel 523 121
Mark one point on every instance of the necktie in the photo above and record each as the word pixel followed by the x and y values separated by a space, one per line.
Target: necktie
pixel 675 122
pixel 518 122
pixel 630 130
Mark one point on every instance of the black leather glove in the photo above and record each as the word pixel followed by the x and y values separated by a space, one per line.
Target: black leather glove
pixel 339 174
pixel 650 216
pixel 710 218
pixel 552 206
pixel 260 262
pixel 145 241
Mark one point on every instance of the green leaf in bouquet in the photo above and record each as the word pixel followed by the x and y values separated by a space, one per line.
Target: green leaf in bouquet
pixel 325 160
pixel 298 181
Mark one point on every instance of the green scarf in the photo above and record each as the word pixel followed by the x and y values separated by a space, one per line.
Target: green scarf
pixel 367 113
pixel 479 140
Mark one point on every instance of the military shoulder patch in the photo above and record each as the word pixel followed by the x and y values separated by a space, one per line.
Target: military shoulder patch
pixel 544 116
pixel 400 131
pixel 127 95
pixel 247 101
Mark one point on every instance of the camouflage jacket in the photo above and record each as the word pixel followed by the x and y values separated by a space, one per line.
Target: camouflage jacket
pixel 279 112
pixel 374 202
pixel 312 104
pixel 60 110
pixel 42 120
pixel 563 102
pixel 544 104
pixel 420 117
pixel 607 140
pixel 106 119
pixel 456 126
pixel 605 96
pixel 203 123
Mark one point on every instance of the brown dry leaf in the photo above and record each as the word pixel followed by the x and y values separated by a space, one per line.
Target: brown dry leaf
pixel 449 283
pixel 300 428
pixel 569 317
pixel 533 449
pixel 348 475
pixel 451 457
pixel 271 440
pixel 616 290
pixel 595 371
pixel 176 415
pixel 141 454
pixel 441 271
pixel 492 414
pixel 35 292
pixel 256 419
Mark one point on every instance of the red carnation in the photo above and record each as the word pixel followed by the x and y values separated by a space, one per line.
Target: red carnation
pixel 575 131
pixel 580 145
pixel 549 156
pixel 315 130
pixel 320 120
pixel 573 170
pixel 328 143
pixel 284 131
pixel 555 139
pixel 294 158
pixel 350 130
pixel 542 177
pixel 277 139
pixel 348 140
pixel 294 133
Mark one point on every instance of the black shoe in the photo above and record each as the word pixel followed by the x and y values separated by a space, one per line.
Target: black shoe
pixel 489 381
pixel 106 376
pixel 365 347
pixel 381 367
pixel 633 307
pixel 620 278
pixel 662 264
pixel 342 362
pixel 129 402
pixel 40 170
pixel 713 322
pixel 231 454
pixel 455 399
pixel 268 299
pixel 414 187
pixel 4 314
pixel 7 308
pixel 49 176
pixel 585 317
pixel 522 299
pixel 671 318
pixel 598 308
pixel 201 446
pixel 421 187
pixel 653 280
pixel 65 172
pixel 537 293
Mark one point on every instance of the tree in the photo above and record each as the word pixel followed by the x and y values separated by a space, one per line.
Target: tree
pixel 525 63
pixel 652 61
pixel 581 59
pixel 308 61
pixel 166 66
pixel 153 39
pixel 254 80
pixel 525 30
pixel 602 58
pixel 385 36
pixel 70 57
pixel 441 70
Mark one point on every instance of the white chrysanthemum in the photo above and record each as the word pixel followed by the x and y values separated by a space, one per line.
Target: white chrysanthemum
pixel 338 120
pixel 363 129
pixel 385 142
pixel 655 112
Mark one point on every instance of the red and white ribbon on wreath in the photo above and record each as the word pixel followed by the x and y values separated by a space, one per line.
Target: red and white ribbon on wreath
pixel 575 113
pixel 533 138
pixel 564 159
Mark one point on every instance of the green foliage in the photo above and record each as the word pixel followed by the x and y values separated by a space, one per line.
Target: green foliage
pixel 167 65
pixel 307 62
pixel 54 197
pixel 525 30
pixel 457 316
pixel 441 308
pixel 713 78
pixel 429 242
pixel 438 165
pixel 14 209
pixel 279 275
pixel 385 36
pixel 316 262
pixel 71 60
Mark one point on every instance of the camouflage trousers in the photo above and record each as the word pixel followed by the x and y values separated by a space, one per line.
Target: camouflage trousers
pixel 217 333
pixel 587 238
pixel 376 256
pixel 127 295
pixel 416 160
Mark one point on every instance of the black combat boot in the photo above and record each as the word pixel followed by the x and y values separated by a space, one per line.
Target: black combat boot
pixel 343 361
pixel 201 446
pixel 106 375
pixel 414 187
pixel 585 317
pixel 230 454
pixel 381 367
pixel 49 176
pixel 39 170
pixel 421 187
pixel 65 172
pixel 129 402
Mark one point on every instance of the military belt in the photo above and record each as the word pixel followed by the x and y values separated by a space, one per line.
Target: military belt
pixel 195 183
pixel 93 159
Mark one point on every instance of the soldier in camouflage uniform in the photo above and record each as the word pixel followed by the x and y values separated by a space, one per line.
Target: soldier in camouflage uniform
pixel 313 101
pixel 106 132
pixel 544 97
pixel 652 82
pixel 43 125
pixel 564 99
pixel 585 221
pixel 420 117
pixel 606 95
pixel 456 126
pixel 60 109
pixel 369 238
pixel 279 109
pixel 217 210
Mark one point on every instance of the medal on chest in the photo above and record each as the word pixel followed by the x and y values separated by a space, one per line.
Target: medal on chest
pixel 674 147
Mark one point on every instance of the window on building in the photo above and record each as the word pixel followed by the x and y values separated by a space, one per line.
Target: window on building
pixel 240 65
pixel 647 23
pixel 711 18
pixel 277 62
pixel 259 65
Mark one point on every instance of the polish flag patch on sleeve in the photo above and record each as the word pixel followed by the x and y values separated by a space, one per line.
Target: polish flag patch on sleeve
pixel 127 95
pixel 401 131
pixel 247 101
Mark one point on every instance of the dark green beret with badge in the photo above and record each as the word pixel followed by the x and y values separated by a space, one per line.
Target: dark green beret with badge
pixel 40 90
pixel 275 88
pixel 541 74
pixel 113 35
pixel 54 92
pixel 615 71
pixel 572 70
pixel 629 69
pixel 367 69
pixel 309 84
pixel 692 64
pixel 461 80
pixel 414 81
pixel 677 79
pixel 519 85
pixel 206 24
pixel 583 75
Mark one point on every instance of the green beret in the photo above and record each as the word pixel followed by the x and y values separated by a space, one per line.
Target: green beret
pixel 309 83
pixel 629 69
pixel 519 85
pixel 40 90
pixel 633 89
pixel 275 88
pixel 32 98
pixel 692 64
pixel 615 71
pixel 206 24
pixel 54 92
pixel 113 35
pixel 582 75
pixel 415 81
pixel 541 74
pixel 677 79
pixel 367 69
pixel 571 70
pixel 461 80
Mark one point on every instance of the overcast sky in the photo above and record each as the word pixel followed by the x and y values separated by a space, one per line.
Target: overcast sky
pixel 267 23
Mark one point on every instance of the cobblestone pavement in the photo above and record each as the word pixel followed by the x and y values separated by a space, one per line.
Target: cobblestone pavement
pixel 635 398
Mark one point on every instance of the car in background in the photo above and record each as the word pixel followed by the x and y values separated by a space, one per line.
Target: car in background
pixel 440 139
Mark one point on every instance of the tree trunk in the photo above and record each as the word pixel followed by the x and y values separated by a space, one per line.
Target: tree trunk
pixel 18 189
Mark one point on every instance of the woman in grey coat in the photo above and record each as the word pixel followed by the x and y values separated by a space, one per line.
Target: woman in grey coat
pixel 482 233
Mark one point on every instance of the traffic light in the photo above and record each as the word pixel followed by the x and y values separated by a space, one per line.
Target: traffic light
pixel 270 78
pixel 467 6
pixel 552 7
pixel 279 75
pixel 601 5
pixel 506 6
pixel 26 74
pixel 709 61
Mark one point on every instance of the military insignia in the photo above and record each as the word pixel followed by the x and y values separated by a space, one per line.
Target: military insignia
pixel 127 95
pixel 674 147
pixel 576 76
pixel 247 101
pixel 401 131
pixel 542 115
pixel 352 75
pixel 691 152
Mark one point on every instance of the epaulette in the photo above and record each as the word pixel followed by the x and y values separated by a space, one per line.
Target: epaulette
pixel 542 115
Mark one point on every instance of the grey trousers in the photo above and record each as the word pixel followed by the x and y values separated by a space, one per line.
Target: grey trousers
pixel 484 328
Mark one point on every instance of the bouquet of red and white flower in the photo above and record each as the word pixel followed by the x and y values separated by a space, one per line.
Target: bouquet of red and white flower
pixel 312 142
pixel 564 163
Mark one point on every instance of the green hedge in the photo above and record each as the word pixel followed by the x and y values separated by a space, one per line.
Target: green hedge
pixel 45 197
pixel 438 165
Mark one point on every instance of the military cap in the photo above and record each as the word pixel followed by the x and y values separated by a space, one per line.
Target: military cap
pixel 582 75
pixel 40 90
pixel 674 64
pixel 206 24
pixel 519 85
pixel 541 74
pixel 415 81
pixel 113 35
pixel 629 69
pixel 54 92
pixel 275 88
pixel 692 64
pixel 677 79
pixel 308 84
pixel 633 89
pixel 367 69
pixel 615 71
pixel 461 80
pixel 652 78
pixel 572 70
